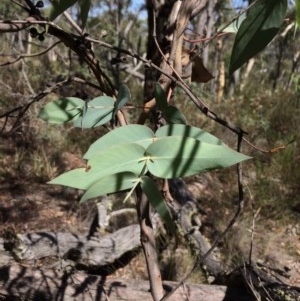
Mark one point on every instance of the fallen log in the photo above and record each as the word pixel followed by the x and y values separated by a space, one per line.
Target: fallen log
pixel 28 284
pixel 48 249
pixel 21 283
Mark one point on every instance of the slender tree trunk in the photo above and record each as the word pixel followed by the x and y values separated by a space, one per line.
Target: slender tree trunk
pixel 149 246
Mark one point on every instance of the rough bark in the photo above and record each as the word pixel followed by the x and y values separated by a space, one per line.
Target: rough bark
pixel 21 283
pixel 101 255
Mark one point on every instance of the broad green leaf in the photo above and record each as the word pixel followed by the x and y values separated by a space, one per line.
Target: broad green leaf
pixel 77 178
pixel 257 30
pixel 116 159
pixel 157 201
pixel 173 115
pixel 59 6
pixel 84 10
pixel 122 98
pixel 62 110
pixel 98 112
pixel 176 156
pixel 161 97
pixel 298 13
pixel 132 133
pixel 187 131
pixel 110 184
pixel 234 26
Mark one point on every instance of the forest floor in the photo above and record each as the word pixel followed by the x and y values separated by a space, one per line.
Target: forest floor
pixel 34 206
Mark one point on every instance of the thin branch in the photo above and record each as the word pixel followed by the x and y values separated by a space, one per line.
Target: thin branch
pixel 133 72
pixel 229 22
pixel 273 150
pixel 71 41
pixel 252 233
pixel 33 10
pixel 148 245
pixel 19 4
pixel 240 173
pixel 200 260
pixel 72 22
pixel 199 103
pixel 24 108
pixel 196 100
pixel 26 79
pixel 22 56
pixel 17 25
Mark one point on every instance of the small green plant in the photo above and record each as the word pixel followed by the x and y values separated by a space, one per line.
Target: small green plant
pixel 129 156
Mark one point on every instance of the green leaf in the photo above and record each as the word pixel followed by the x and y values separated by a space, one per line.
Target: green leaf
pixel 161 97
pixel 77 178
pixel 110 184
pixel 122 98
pixel 84 10
pixel 62 110
pixel 298 13
pixel 234 26
pixel 157 201
pixel 257 30
pixel 59 6
pixel 118 158
pixel 98 112
pixel 177 156
pixel 133 133
pixel 113 160
pixel 173 115
pixel 187 131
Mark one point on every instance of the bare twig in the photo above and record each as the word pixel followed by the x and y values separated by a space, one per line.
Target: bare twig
pixel 17 25
pixel 22 56
pixel 7 26
pixel 72 22
pixel 196 100
pixel 229 22
pixel 104 81
pixel 250 283
pixel 252 234
pixel 270 151
pixel 71 41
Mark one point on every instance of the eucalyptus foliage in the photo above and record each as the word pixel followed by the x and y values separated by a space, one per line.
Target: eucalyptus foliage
pixel 128 156
pixel 134 155
pixel 262 23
